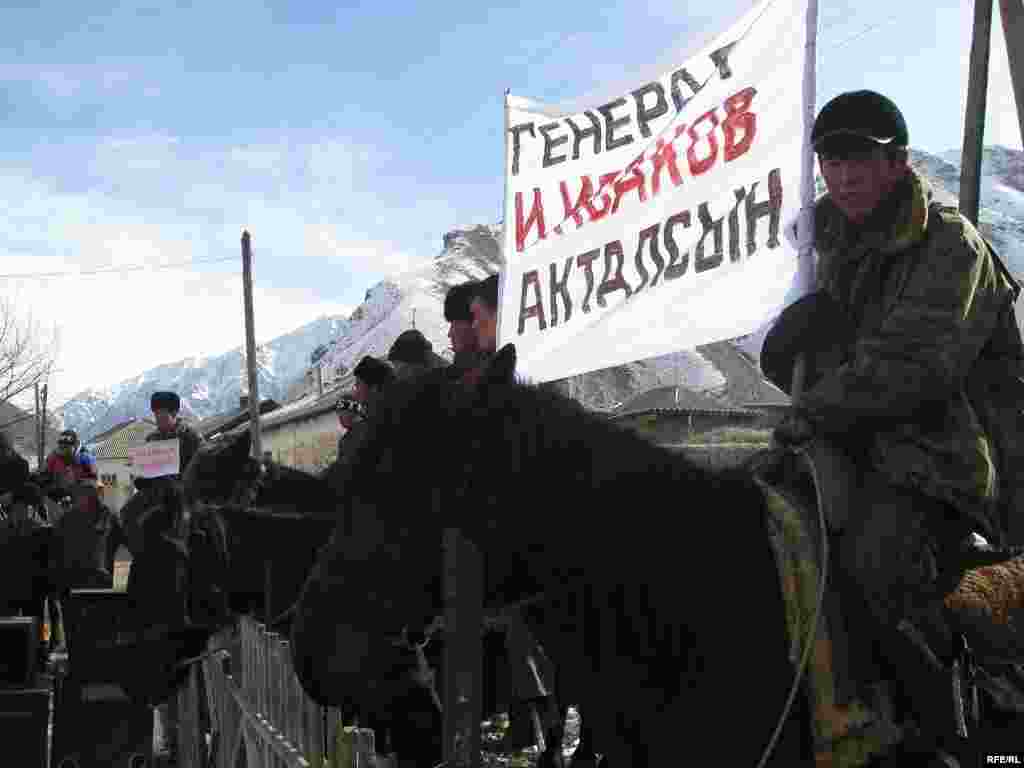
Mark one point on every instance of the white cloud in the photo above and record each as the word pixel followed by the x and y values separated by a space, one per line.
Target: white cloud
pixel 359 255
pixel 115 326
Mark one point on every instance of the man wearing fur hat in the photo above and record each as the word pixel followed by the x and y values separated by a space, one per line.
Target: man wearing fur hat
pixel 165 407
pixel 927 302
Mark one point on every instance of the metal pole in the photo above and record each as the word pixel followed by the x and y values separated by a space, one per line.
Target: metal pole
pixel 250 348
pixel 974 114
pixel 1012 12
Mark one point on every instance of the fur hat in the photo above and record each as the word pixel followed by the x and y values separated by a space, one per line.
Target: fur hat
pixel 165 400
pixel 377 374
pixel 457 301
pixel 411 347
pixel 487 291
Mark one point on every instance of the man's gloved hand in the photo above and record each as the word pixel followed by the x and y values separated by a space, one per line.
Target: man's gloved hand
pixel 795 429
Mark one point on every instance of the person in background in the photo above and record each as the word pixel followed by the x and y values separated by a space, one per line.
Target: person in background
pixel 68 464
pixel 412 354
pixel 484 310
pixel 350 412
pixel 373 377
pixel 14 470
pixel 468 358
pixel 84 534
pixel 166 407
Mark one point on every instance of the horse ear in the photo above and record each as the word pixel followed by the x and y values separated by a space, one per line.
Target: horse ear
pixel 242 446
pixel 500 370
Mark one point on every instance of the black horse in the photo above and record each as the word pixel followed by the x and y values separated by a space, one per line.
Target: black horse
pixel 275 518
pixel 660 593
pixel 665 617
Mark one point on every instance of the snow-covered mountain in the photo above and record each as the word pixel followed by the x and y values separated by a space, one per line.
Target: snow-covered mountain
pixel 725 371
pixel 1002 198
pixel 207 386
pixel 417 296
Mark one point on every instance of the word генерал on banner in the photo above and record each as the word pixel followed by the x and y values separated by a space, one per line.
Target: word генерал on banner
pixel 663 219
pixel 737 130
pixel 158 458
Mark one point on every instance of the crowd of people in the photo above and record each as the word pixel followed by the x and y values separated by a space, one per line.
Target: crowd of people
pixel 471 310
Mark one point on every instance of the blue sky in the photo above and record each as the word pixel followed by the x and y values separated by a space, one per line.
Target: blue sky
pixel 347 137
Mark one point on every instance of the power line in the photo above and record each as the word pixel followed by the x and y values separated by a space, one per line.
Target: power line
pixel 114 270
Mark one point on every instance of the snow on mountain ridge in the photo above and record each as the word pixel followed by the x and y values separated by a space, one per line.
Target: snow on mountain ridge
pixel 206 389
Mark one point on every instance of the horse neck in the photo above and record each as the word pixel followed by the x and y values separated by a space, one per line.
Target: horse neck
pixel 292 485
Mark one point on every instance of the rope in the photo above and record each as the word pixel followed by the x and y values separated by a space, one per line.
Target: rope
pixel 814 624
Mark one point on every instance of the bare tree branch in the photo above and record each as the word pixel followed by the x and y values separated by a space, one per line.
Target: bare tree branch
pixel 27 352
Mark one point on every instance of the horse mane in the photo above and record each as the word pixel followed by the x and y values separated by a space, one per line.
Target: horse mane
pixel 513 438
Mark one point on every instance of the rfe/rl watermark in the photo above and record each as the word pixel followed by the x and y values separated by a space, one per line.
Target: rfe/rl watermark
pixel 1004 759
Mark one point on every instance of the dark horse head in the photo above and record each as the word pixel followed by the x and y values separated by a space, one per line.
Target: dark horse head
pixel 662 607
pixel 275 517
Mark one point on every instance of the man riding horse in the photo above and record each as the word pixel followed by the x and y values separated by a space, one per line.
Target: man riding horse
pixel 925 301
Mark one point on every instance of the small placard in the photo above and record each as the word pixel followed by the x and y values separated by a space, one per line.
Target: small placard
pixel 158 458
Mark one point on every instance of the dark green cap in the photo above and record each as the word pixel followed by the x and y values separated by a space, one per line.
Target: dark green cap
pixel 859 116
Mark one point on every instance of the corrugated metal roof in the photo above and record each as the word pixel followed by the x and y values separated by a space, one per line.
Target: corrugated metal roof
pixel 673 399
pixel 225 422
pixel 116 446
pixel 303 408
pixel 97 439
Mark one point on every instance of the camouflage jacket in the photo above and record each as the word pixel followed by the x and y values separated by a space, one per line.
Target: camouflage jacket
pixel 924 294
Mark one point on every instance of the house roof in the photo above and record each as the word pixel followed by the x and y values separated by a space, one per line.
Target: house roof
pixel 97 439
pixel 306 407
pixel 672 399
pixel 20 427
pixel 117 444
pixel 225 422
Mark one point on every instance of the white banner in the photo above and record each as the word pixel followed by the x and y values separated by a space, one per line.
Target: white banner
pixel 155 459
pixel 664 219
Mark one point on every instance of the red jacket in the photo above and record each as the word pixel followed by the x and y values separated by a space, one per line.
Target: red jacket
pixel 82 465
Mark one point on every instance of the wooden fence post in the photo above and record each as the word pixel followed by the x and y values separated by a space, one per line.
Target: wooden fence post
pixel 463 654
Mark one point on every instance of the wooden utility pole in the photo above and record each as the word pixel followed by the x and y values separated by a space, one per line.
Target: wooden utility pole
pixel 42 421
pixel 250 349
pixel 974 114
pixel 1012 12
pixel 39 431
pixel 462 667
